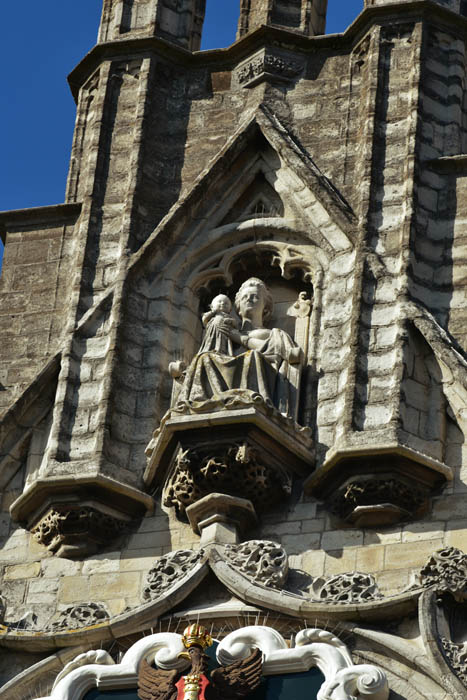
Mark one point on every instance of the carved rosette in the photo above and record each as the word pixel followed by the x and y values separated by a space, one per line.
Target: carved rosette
pixel 236 471
pixel 72 530
pixel 263 562
pixel 76 616
pixel 169 569
pixel 446 570
pixel 456 656
pixel 346 589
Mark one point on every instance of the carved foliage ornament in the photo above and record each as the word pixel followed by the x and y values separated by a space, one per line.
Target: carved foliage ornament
pixel 261 561
pixel 346 589
pixel 456 655
pixel 374 491
pixel 266 64
pixel 71 526
pixel 447 570
pixel 169 569
pixel 78 616
pixel 236 471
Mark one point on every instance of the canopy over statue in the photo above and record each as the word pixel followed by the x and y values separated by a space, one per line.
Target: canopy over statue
pixel 265 362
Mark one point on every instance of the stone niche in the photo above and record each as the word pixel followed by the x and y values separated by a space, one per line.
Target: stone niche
pixel 235 427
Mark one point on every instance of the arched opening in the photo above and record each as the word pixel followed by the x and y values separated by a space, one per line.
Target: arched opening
pixel 220 24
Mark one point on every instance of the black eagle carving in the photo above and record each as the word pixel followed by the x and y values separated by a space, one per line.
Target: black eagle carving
pixel 225 683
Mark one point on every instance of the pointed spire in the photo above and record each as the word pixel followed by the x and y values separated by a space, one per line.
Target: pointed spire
pixel 181 24
pixel 304 16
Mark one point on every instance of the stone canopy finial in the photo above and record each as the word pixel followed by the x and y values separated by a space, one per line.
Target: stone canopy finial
pixel 304 16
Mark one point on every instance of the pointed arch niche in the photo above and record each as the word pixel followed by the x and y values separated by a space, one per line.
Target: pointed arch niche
pixel 291 267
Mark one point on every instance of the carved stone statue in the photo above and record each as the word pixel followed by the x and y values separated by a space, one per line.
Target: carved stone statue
pixel 256 360
pixel 216 321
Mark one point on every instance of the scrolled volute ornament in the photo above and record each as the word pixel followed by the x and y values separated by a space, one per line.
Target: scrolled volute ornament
pixel 362 681
pixel 99 657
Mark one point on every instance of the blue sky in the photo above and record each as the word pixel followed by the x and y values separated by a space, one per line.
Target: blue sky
pixel 41 43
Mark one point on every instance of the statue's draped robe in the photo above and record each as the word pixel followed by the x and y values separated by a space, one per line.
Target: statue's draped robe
pixel 266 371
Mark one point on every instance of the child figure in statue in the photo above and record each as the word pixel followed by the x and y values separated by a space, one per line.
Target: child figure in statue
pixel 214 339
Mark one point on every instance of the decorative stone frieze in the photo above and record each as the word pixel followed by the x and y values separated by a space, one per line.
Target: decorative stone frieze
pixel 237 471
pixel 73 531
pixel 346 588
pixel 169 569
pixel 77 616
pixel 269 65
pixel 456 656
pixel 447 571
pixel 263 562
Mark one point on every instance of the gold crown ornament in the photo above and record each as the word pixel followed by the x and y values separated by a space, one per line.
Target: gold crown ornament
pixel 196 635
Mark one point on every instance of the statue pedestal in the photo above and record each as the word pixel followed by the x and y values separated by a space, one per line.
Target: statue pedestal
pixel 248 453
pixel 221 519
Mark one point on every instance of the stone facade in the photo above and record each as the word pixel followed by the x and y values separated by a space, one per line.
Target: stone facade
pixel 133 493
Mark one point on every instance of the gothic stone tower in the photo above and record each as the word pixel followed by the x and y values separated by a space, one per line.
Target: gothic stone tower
pixel 233 367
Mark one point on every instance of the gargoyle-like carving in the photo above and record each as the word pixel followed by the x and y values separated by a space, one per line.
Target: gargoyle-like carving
pixel 447 570
pixel 346 588
pixel 456 655
pixel 263 562
pixel 70 528
pixel 77 616
pixel 168 569
pixel 99 657
pixel 235 471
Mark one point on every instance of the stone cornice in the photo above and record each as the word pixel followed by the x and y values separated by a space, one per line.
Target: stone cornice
pixel 38 215
pixel 227 58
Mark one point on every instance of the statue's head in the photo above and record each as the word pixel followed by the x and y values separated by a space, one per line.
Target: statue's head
pixel 221 303
pixel 254 297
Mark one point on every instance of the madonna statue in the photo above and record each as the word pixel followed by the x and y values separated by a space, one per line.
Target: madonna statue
pixel 253 360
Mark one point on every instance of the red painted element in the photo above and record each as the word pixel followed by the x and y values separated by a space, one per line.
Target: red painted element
pixel 181 688
pixel 204 682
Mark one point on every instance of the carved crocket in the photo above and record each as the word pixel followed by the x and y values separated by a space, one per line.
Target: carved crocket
pixel 225 683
